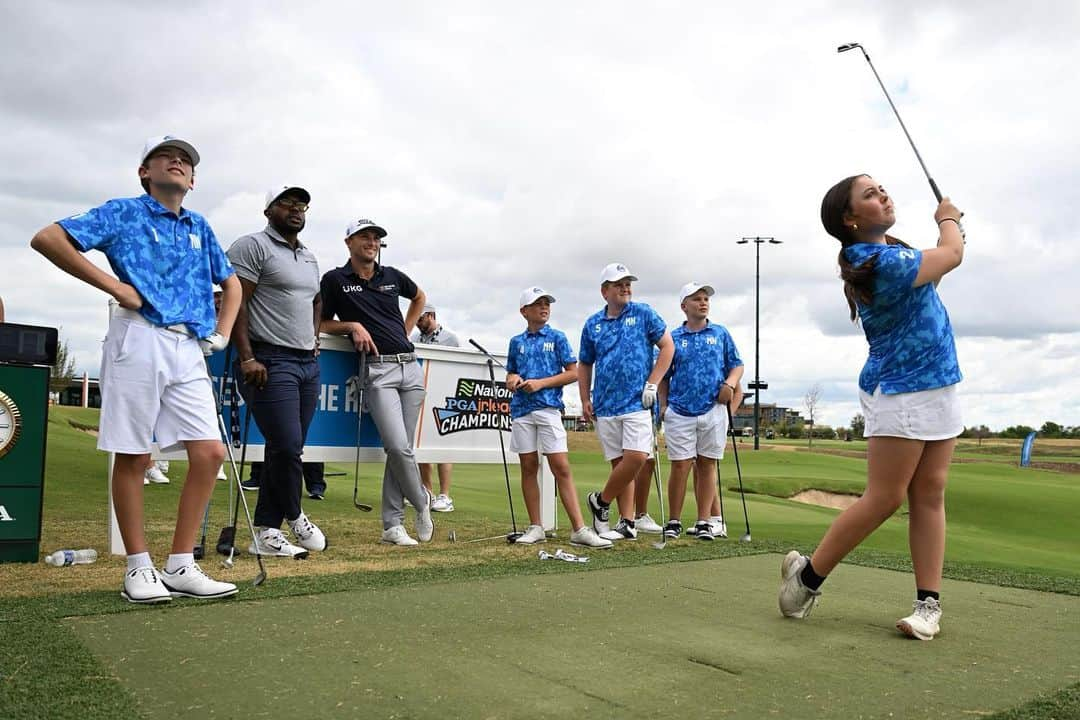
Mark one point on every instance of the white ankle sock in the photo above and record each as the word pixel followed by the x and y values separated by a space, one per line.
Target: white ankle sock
pixel 139 560
pixel 177 561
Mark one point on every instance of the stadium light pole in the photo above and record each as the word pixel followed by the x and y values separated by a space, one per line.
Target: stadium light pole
pixel 757 386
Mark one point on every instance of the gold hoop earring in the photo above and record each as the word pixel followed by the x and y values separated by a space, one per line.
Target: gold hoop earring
pixel 854 226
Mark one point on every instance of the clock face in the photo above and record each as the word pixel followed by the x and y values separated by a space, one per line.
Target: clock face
pixel 10 424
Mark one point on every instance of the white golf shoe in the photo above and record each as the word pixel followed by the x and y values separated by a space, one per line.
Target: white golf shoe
pixel 587 537
pixel 796 600
pixel 719 527
pixel 273 543
pixel 924 621
pixel 397 536
pixel 307 533
pixel 154 475
pixel 143 585
pixel 443 503
pixel 646 524
pixel 425 526
pixel 533 534
pixel 600 514
pixel 221 473
pixel 190 581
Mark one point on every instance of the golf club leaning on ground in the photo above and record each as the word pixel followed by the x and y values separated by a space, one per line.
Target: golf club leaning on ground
pixel 662 542
pixel 933 185
pixel 361 380
pixel 738 471
pixel 200 550
pixel 228 562
pixel 514 534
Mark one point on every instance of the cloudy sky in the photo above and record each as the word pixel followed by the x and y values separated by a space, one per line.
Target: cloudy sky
pixel 509 144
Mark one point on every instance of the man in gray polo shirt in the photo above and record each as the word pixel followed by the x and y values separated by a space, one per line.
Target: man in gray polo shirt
pixel 429 332
pixel 277 340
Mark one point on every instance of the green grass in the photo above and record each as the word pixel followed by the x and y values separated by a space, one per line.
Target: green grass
pixel 1007 527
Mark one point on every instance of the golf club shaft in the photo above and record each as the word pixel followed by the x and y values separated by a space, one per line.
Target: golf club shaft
pixel 502 446
pixel 361 379
pixel 738 468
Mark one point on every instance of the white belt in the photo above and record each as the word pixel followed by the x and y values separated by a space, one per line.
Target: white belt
pixel 137 317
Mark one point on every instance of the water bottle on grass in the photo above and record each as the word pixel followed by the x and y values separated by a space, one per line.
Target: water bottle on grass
pixel 62 558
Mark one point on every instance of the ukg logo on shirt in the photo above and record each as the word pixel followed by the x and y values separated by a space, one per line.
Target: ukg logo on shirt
pixel 474 406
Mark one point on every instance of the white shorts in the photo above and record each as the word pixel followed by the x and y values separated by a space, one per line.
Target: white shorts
pixel 690 437
pixel 153 385
pixel 539 430
pixel 923 415
pixel 632 431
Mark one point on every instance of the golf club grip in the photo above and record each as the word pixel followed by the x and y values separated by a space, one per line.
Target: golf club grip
pixel 934 187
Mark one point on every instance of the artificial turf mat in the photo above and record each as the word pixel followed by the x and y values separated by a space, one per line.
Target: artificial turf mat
pixel 698 639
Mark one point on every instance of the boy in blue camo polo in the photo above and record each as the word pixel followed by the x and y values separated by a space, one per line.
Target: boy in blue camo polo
pixel 539 364
pixel 705 371
pixel 618 340
pixel 154 382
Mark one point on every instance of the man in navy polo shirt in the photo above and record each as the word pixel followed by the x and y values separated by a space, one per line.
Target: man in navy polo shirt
pixel 277 338
pixel 154 382
pixel 363 295
pixel 618 341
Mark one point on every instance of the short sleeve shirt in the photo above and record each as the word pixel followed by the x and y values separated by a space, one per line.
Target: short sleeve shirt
pixel 173 261
pixel 620 351
pixel 703 359
pixel 286 281
pixel 441 336
pixel 372 303
pixel 541 354
pixel 911 340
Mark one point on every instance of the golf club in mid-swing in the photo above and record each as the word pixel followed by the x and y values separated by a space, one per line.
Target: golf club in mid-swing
pixel 260 578
pixel 662 542
pixel 361 380
pixel 738 471
pixel 513 536
pixel 933 185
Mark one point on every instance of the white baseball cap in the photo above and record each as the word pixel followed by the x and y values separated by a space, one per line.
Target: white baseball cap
pixel 615 272
pixel 532 294
pixel 160 141
pixel 428 309
pixel 278 190
pixel 692 287
pixel 363 224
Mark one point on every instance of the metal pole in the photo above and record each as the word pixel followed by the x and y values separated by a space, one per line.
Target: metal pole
pixel 757 340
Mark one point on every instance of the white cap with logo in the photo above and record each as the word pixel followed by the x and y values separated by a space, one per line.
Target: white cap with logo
pixel 692 287
pixel 532 294
pixel 615 272
pixel 428 308
pixel 278 190
pixel 160 141
pixel 363 224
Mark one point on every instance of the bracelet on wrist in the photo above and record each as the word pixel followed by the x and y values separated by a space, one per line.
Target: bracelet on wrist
pixel 949 218
pixel 244 362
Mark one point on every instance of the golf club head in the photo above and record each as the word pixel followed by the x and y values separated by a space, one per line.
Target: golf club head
pixel 452 536
pixel 225 540
pixel 660 544
pixel 513 537
pixel 228 561
pixel 259 579
pixel 848 46
pixel 745 538
pixel 198 551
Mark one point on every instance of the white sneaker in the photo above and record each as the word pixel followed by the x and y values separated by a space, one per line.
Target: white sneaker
pixel 156 476
pixel 599 513
pixel 587 537
pixel 190 581
pixel 307 533
pixel 145 480
pixel 425 526
pixel 273 543
pixel 796 600
pixel 533 534
pixel 221 473
pixel 143 585
pixel 397 536
pixel 703 530
pixel 719 527
pixel 923 622
pixel 442 503
pixel 646 524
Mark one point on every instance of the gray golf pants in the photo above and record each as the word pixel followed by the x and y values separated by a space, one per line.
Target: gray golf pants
pixel 394 395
